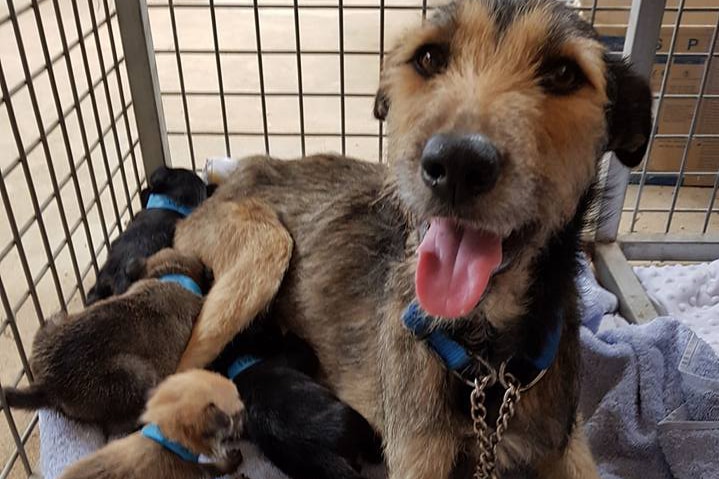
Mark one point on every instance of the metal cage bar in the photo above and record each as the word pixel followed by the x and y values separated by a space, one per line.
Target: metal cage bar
pixel 62 213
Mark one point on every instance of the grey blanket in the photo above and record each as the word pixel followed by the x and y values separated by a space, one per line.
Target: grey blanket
pixel 651 402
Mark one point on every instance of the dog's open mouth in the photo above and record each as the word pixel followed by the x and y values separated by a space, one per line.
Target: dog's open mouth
pixel 455 265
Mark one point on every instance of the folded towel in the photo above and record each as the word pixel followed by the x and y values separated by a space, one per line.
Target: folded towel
pixel 64 441
pixel 650 397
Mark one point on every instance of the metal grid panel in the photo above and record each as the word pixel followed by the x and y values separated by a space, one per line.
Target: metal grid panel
pixel 287 77
pixel 669 211
pixel 70 177
pixel 685 144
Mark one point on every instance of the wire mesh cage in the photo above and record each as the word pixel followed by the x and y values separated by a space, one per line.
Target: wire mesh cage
pixel 96 92
pixel 71 172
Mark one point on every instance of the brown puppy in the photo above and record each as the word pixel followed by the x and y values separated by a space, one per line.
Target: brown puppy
pixel 197 412
pixel 498 112
pixel 98 365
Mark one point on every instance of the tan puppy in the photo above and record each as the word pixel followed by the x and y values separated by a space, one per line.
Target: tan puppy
pixel 197 412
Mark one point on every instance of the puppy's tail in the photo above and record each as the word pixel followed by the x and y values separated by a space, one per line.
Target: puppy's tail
pixel 32 397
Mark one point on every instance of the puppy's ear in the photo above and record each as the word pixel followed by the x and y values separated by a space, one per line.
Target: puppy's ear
pixel 144 197
pixel 135 269
pixel 101 290
pixel 208 278
pixel 215 420
pixel 160 179
pixel 629 113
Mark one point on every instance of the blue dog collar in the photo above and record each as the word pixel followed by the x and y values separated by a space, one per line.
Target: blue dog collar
pixel 454 355
pixel 183 280
pixel 164 202
pixel 152 432
pixel 241 364
pixel 549 349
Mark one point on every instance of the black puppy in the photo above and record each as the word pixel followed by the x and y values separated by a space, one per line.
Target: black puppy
pixel 299 425
pixel 172 195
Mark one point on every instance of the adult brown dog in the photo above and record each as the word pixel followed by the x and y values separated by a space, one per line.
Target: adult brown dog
pixel 498 112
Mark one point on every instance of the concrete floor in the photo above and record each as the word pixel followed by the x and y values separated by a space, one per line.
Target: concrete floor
pixel 321 79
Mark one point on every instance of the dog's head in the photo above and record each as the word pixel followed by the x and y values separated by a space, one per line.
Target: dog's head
pixel 170 261
pixel 200 410
pixel 498 112
pixel 182 186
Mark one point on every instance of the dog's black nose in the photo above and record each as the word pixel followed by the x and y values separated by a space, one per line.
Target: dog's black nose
pixel 458 167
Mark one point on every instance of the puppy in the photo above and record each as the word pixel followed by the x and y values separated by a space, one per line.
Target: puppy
pixel 189 414
pixel 98 365
pixel 298 424
pixel 172 195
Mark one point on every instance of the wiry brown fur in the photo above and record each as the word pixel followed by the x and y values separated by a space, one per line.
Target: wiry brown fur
pixel 355 228
pixel 198 409
pixel 98 365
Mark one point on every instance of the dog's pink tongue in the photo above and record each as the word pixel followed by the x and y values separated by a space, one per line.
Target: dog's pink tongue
pixel 454 267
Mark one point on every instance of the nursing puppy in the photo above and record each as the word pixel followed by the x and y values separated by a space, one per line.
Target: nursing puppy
pixel 298 424
pixel 172 194
pixel 98 365
pixel 189 414
pixel 438 292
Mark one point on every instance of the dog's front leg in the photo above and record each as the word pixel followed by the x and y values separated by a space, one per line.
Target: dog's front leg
pixel 425 456
pixel 249 251
pixel 575 462
pixel 420 440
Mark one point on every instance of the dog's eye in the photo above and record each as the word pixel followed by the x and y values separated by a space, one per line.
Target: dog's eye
pixel 562 77
pixel 430 60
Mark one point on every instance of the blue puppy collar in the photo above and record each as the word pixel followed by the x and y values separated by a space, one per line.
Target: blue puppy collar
pixel 454 355
pixel 152 432
pixel 241 364
pixel 183 280
pixel 164 202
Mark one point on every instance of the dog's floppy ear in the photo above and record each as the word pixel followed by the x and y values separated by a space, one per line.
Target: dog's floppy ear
pixel 208 278
pixel 97 292
pixel 381 104
pixel 215 420
pixel 629 113
pixel 144 197
pixel 160 178
pixel 381 98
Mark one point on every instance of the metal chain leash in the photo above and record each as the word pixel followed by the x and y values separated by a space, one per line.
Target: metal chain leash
pixel 487 441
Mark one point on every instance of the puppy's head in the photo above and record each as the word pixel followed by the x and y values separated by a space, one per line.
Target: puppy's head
pixel 498 111
pixel 170 261
pixel 200 410
pixel 181 185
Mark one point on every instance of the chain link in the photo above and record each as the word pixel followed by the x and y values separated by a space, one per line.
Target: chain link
pixel 488 442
